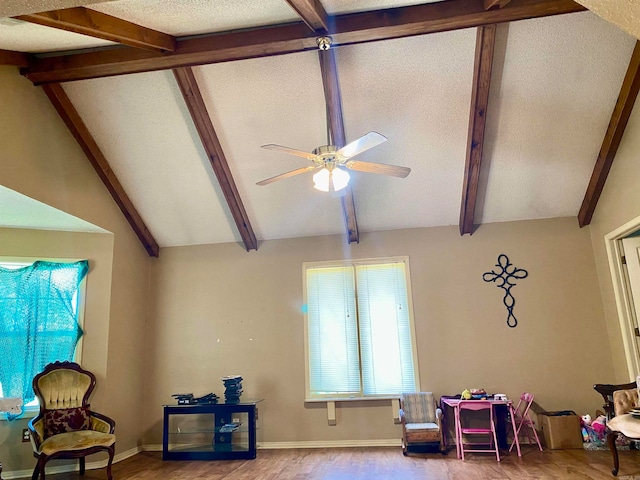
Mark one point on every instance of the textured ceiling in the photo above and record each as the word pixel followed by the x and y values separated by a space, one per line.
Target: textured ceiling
pixel 554 86
pixel 9 8
pixel 623 13
pixel 547 117
pixel 190 17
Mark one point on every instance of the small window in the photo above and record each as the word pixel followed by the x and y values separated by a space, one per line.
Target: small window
pixel 360 337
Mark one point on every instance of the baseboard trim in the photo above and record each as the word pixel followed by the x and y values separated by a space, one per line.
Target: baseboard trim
pixel 394 442
pixel 152 448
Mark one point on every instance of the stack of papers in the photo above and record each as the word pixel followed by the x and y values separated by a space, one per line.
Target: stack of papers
pixel 233 388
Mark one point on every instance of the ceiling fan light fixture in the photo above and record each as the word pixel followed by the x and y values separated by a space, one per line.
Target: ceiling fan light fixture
pixel 340 178
pixel 321 180
pixel 336 178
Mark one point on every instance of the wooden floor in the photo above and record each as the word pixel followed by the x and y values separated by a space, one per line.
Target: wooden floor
pixel 375 464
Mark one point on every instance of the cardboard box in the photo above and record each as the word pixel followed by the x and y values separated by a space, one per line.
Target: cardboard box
pixel 561 431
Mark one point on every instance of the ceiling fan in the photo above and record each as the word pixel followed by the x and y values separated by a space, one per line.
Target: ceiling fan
pixel 332 163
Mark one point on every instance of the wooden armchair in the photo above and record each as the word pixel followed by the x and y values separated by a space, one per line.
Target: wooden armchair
pixel 65 427
pixel 618 401
pixel 421 421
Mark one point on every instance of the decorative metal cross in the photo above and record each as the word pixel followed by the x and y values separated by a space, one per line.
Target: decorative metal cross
pixel 504 279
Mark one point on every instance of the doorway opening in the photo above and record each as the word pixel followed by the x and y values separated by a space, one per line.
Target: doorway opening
pixel 622 289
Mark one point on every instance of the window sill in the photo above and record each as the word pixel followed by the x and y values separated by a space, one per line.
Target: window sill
pixel 350 399
pixel 28 414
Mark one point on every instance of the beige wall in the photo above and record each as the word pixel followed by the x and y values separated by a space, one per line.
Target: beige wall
pixel 39 158
pixel 619 204
pixel 219 310
pixel 98 249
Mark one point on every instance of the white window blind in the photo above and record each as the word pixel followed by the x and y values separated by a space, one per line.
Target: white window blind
pixel 333 331
pixel 360 338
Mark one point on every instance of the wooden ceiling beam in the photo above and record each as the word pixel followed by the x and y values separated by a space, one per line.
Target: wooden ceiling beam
pixel 78 129
pixel 333 100
pixel 612 138
pixel 495 3
pixel 100 25
pixel 9 57
pixel 275 40
pixel 312 13
pixel 193 98
pixel 485 42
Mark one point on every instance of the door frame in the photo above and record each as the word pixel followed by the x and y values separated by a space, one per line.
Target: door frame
pixel 622 292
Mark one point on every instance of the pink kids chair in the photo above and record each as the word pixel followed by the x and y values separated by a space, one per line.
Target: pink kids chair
pixel 464 429
pixel 523 420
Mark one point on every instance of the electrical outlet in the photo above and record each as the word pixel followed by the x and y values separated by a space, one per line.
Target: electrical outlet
pixel 25 435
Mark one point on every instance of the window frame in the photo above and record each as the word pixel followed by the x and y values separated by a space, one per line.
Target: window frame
pixel 309 397
pixel 32 409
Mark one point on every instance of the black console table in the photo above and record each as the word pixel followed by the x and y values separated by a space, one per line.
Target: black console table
pixel 221 431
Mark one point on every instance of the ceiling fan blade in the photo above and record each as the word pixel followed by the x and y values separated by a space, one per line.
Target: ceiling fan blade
pixel 370 140
pixel 292 173
pixel 291 151
pixel 384 169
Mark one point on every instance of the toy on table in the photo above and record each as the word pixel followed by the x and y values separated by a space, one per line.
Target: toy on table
pixel 473 393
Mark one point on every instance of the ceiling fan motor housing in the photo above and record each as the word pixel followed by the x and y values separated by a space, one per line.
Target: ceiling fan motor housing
pixel 327 155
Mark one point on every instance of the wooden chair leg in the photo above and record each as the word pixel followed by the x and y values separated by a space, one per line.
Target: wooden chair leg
pixel 38 471
pixel 611 440
pixel 111 452
pixel 404 441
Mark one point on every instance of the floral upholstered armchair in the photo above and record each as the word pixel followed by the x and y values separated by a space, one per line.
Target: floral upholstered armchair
pixel 66 427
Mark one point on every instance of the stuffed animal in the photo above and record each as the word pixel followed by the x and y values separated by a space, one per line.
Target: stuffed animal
pixel 599 425
pixel 585 434
pixel 593 430
pixel 13 406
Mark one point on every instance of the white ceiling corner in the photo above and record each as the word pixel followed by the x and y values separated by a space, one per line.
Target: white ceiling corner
pixel 19 211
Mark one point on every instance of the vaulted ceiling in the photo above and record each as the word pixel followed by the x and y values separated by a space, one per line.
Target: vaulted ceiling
pixel 503 109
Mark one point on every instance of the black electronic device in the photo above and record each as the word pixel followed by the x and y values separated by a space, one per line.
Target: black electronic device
pixel 189 399
pixel 207 399
pixel 184 398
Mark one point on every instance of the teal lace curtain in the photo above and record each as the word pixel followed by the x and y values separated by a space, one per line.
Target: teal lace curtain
pixel 38 324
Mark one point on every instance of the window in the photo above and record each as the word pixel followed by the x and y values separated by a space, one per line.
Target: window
pixel 359 329
pixel 40 319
